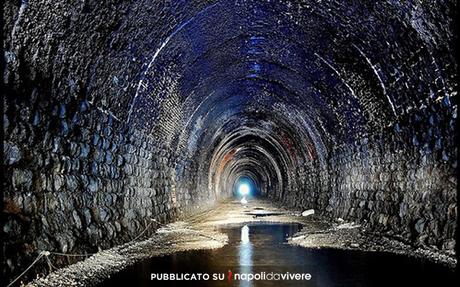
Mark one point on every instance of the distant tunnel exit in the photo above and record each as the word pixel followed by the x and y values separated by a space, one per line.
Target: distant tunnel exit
pixel 246 187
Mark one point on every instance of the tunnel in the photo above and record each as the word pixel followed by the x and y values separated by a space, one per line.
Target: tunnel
pixel 117 114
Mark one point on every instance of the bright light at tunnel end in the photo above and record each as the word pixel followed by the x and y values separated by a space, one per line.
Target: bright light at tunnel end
pixel 244 189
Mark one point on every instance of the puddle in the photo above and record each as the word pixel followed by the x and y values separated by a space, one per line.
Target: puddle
pixel 259 213
pixel 262 249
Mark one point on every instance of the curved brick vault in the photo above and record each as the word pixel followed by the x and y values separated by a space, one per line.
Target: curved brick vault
pixel 119 111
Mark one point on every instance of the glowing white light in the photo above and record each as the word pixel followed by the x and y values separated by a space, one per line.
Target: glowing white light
pixel 244 200
pixel 244 189
pixel 245 234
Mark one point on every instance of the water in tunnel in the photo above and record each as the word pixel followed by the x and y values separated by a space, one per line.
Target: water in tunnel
pixel 142 128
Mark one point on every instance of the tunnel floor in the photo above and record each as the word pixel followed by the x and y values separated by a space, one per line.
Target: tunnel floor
pixel 260 249
pixel 330 251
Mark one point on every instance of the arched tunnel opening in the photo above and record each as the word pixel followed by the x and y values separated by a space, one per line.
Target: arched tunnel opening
pixel 247 186
pixel 138 129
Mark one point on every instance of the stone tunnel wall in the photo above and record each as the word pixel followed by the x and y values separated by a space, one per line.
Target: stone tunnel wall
pixel 79 175
pixel 401 183
pixel 78 180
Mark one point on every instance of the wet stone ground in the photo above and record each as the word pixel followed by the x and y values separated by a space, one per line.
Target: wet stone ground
pixel 260 237
pixel 259 248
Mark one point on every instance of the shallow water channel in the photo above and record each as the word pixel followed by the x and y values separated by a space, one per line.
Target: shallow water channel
pixel 258 255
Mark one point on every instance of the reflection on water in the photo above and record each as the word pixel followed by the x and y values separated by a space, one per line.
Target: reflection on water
pixel 245 253
pixel 256 248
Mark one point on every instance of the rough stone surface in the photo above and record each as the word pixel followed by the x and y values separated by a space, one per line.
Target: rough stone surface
pixel 116 112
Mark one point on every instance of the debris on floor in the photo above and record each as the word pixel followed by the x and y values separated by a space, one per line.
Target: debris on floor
pixel 348 225
pixel 308 212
